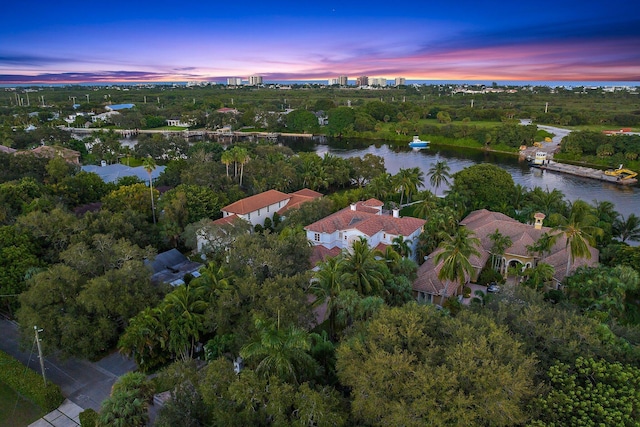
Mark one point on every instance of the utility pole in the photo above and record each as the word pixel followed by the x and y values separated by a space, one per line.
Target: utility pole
pixel 35 328
pixel 28 103
pixel 546 107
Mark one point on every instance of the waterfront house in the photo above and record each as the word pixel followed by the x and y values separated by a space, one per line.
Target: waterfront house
pixel 483 223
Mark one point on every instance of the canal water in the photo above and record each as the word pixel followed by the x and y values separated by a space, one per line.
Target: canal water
pixel 626 199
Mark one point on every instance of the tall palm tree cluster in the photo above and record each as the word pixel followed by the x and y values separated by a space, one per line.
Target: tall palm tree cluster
pixel 237 156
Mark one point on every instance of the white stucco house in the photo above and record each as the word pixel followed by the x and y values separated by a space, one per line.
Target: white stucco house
pixel 255 209
pixel 363 219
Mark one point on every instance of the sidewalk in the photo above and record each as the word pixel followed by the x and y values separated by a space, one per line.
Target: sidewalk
pixel 67 415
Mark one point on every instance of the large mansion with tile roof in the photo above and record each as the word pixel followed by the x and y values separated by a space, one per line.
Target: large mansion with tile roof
pixel 483 223
pixel 362 219
pixel 255 209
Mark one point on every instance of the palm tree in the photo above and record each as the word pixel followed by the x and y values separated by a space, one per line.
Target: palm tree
pixel 607 215
pixel 401 246
pixel 627 229
pixel 124 409
pixel 580 230
pixel 539 275
pixel 543 245
pixel 454 254
pixel 439 174
pixel 545 201
pixel 187 308
pixel 361 270
pixel 212 281
pixel 145 338
pixel 499 242
pixel 227 158
pixel 519 195
pixel 380 186
pixel 149 164
pixel 281 351
pixel 426 206
pixel 408 181
pixel 327 286
pixel 242 157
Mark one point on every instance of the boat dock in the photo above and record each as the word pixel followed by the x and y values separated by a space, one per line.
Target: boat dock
pixel 585 172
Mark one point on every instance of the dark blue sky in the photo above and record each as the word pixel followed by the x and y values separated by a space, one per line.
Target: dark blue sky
pixel 176 41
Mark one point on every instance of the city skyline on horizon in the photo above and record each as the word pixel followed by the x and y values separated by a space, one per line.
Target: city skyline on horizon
pixel 477 41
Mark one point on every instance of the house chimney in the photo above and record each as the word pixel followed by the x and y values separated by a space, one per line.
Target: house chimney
pixel 539 217
pixel 353 206
pixel 396 212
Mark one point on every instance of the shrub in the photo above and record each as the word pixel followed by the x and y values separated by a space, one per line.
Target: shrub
pixel 29 383
pixel 466 292
pixel 488 275
pixel 88 418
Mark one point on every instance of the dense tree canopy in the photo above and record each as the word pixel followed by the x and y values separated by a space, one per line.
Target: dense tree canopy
pixel 404 371
pixel 484 186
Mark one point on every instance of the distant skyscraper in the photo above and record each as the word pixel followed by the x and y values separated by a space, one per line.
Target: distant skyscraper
pixel 362 81
pixel 334 81
pixel 401 81
pixel 255 80
pixel 343 80
pixel 378 81
pixel 234 81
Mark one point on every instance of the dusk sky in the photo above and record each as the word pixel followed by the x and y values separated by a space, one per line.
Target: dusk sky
pixel 64 41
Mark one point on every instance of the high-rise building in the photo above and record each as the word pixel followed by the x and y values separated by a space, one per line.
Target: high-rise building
pixel 362 81
pixel 255 80
pixel 334 81
pixel 234 81
pixel 401 81
pixel 378 81
pixel 343 81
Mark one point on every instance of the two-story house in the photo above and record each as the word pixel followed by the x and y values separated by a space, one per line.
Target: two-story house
pixel 255 209
pixel 363 219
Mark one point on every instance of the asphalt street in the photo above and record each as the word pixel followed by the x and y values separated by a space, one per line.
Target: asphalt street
pixel 84 383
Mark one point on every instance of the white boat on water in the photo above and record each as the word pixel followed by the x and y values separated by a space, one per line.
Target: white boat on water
pixel 417 143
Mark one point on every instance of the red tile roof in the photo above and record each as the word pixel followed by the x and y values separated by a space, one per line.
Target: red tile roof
pixel 366 222
pixel 225 220
pixel 226 110
pixel 298 198
pixel 319 253
pixel 306 192
pixel 372 202
pixel 258 201
pixel 8 150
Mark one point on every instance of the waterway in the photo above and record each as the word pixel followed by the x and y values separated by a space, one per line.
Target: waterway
pixel 625 198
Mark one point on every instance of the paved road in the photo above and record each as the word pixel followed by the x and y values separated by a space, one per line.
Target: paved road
pixel 84 383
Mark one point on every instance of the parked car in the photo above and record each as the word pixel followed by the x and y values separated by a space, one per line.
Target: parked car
pixel 493 287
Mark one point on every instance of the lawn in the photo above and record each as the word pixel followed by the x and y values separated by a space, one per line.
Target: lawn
pixel 15 410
